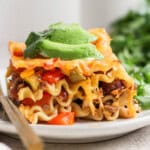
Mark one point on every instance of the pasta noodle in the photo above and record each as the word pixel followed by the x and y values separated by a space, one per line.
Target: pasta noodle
pixel 94 89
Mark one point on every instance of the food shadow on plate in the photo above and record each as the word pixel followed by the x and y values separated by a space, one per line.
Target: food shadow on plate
pixel 3 115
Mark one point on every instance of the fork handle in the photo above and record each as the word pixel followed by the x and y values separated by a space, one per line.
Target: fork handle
pixel 30 140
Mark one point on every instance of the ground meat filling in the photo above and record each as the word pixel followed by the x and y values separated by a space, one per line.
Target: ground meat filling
pixel 108 87
pixel 15 84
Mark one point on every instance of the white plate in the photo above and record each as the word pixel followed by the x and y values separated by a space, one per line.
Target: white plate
pixel 82 131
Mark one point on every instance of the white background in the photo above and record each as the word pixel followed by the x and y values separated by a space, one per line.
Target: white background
pixel 19 17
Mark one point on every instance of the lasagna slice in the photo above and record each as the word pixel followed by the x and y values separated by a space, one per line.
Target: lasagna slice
pixel 45 88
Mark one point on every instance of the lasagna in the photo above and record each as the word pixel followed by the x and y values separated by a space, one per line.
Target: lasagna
pixel 46 90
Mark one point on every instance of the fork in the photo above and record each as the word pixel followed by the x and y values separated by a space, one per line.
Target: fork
pixel 28 137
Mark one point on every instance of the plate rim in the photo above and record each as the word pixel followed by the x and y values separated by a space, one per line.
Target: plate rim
pixel 79 129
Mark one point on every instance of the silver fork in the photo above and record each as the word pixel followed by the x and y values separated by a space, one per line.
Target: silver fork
pixel 28 137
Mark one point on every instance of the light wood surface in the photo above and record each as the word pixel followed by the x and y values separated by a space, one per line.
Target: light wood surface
pixel 138 140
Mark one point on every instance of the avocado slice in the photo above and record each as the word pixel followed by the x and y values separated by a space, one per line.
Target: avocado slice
pixel 68 52
pixel 64 41
pixel 70 34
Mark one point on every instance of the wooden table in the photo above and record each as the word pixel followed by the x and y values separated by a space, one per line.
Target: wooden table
pixel 138 140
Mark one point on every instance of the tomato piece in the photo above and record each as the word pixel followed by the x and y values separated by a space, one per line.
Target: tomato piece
pixel 28 102
pixel 64 118
pixel 45 100
pixel 52 76
pixel 18 52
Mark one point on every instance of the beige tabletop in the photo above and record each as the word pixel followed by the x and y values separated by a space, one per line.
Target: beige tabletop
pixel 137 140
